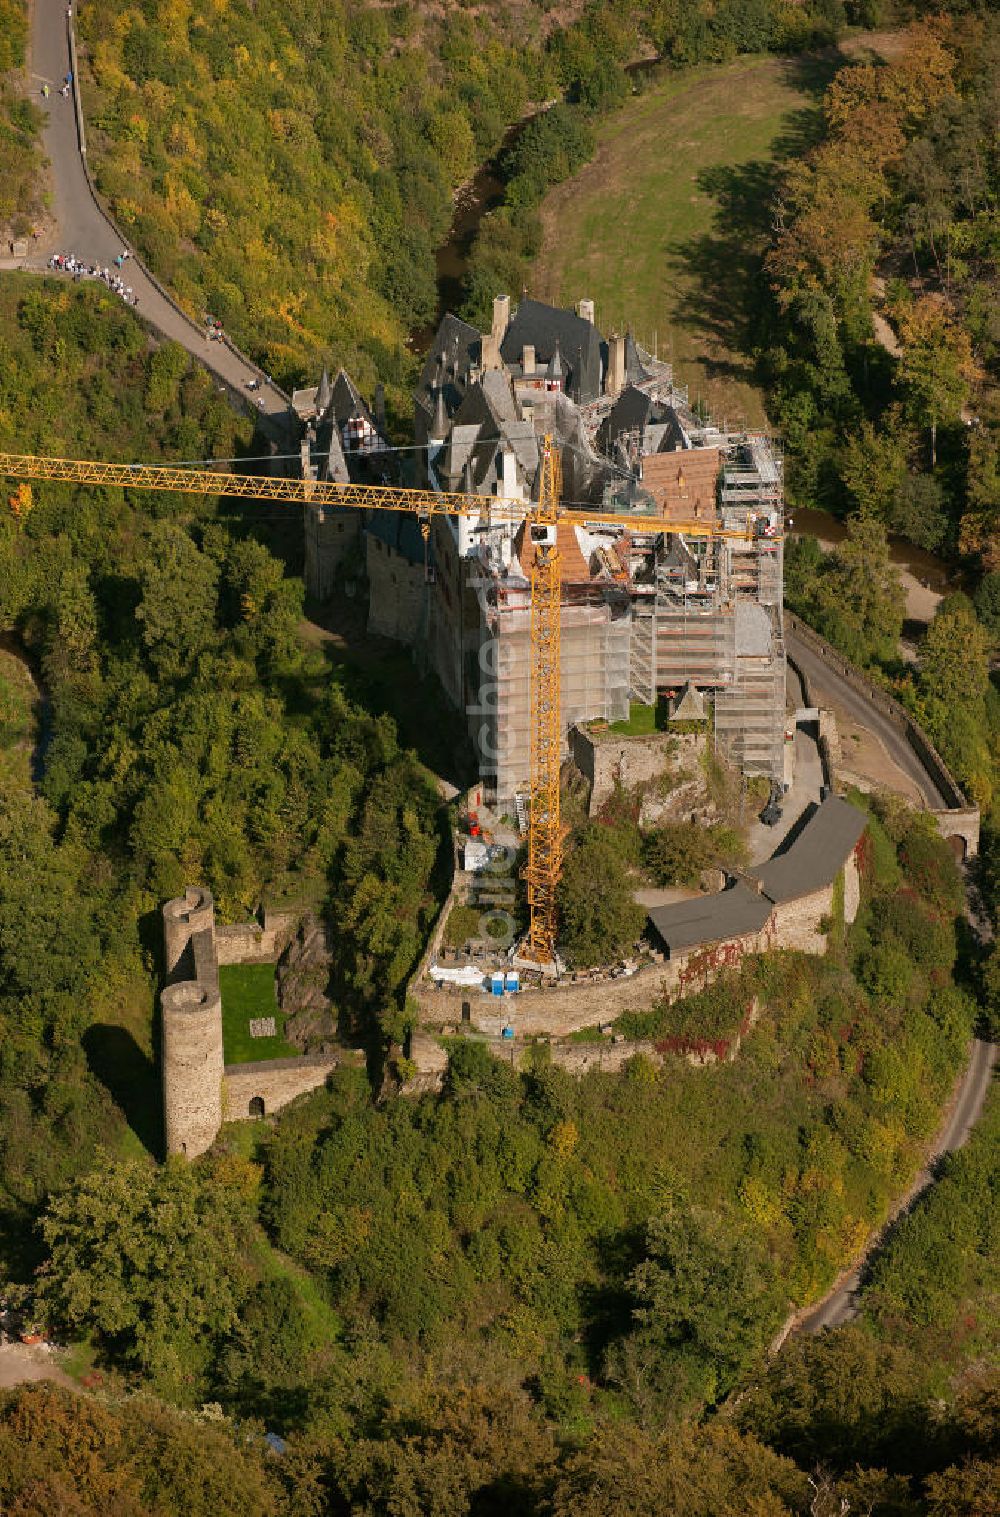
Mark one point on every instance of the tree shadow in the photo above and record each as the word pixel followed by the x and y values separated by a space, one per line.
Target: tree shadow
pixel 131 1079
pixel 725 296
pixel 608 1309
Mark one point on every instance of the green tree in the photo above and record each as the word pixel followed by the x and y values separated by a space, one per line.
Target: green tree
pixel 937 366
pixel 859 595
pixel 706 1301
pixel 178 604
pixel 598 917
pixel 874 467
pixel 955 658
pixel 151 1259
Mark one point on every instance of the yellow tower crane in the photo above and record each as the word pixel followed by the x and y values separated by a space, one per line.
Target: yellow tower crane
pixel 542 518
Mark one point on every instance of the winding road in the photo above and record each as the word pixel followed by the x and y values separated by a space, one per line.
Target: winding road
pixel 843 1303
pixel 84 230
pixel 822 678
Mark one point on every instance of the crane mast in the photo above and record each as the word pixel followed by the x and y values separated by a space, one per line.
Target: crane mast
pixel 545 830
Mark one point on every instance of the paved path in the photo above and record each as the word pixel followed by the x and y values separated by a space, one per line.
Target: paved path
pixel 84 231
pixel 822 678
pixel 843 1303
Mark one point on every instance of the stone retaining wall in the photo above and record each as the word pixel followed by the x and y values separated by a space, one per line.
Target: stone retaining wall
pixel 275 1081
pixel 958 819
pixel 607 759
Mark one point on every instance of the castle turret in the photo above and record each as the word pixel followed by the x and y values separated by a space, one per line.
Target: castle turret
pixel 193 1061
pixel 192 1066
pixel 192 912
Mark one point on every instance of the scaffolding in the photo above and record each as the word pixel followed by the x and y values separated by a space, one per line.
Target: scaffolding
pixel 594 662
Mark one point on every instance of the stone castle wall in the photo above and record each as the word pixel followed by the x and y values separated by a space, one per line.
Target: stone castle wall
pixel 249 943
pixel 606 759
pixel 273 1081
pixel 192 1067
pixel 562 1009
pixel 200 1091
pixel 397 599
pixel 331 532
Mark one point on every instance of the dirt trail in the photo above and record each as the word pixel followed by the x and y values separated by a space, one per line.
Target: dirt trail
pixel 21 1363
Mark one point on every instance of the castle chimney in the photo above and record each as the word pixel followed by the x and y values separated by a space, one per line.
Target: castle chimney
pixel 489 356
pixel 586 310
pixel 615 382
pixel 501 316
pixel 528 359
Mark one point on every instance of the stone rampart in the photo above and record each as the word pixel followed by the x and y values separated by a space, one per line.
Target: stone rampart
pixel 251 943
pixel 331 534
pixel 566 1008
pixel 558 1010
pixel 260 1088
pixel 183 917
pixel 192 1066
pixel 200 1091
pixel 397 599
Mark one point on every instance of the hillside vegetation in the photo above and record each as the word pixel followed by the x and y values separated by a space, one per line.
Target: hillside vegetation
pixel 291 167
pixel 190 737
pixel 21 180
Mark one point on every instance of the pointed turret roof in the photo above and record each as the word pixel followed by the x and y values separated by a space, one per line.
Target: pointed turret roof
pixel 323 395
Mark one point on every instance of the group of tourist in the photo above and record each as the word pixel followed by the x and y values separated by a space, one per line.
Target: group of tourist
pixel 65 263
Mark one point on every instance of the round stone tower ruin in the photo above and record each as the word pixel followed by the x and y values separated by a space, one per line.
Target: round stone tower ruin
pixel 193 1062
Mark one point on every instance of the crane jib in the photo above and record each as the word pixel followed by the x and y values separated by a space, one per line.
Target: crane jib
pixel 421 503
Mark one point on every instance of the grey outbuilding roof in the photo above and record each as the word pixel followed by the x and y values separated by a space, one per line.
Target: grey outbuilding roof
pixel 810 863
pixel 817 854
pixel 711 918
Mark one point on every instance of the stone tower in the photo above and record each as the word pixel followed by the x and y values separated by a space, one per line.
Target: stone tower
pixel 192 1025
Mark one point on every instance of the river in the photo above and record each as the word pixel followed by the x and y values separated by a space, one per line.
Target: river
pixel 475 199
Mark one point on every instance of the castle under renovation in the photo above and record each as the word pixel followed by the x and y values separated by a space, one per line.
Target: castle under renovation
pixel 649 610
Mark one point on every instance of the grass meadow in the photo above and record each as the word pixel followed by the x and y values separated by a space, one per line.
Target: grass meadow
pixel 664 228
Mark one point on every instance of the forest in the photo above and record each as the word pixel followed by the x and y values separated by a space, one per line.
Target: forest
pixel 528 1293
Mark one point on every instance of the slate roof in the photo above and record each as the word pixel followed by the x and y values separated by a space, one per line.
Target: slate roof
pixel 811 862
pixel 816 855
pixel 545 328
pixel 634 408
pixel 734 913
pixel 460 346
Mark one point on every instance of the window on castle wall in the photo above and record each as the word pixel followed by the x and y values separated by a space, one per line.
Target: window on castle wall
pixel 256 1106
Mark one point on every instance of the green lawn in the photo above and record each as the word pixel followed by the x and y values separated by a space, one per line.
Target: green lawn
pixel 642 720
pixel 663 228
pixel 248 990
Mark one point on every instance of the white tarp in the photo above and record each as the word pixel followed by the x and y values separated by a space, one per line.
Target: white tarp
pixel 467 975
